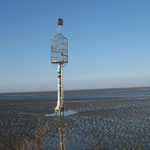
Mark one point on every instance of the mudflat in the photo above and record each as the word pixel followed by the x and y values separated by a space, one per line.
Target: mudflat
pixel 94 119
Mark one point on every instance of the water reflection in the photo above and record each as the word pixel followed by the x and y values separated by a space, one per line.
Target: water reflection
pixel 62 139
pixel 60 121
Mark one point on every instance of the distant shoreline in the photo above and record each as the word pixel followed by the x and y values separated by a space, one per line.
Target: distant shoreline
pixel 75 90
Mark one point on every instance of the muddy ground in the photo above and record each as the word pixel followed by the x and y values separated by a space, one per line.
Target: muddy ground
pixel 97 123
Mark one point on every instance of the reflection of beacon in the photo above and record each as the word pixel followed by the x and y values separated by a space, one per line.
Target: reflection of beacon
pixel 59 57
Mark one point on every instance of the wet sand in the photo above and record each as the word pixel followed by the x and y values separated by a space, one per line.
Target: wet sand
pixel 97 123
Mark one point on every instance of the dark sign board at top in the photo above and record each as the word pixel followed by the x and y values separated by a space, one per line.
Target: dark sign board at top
pixel 60 21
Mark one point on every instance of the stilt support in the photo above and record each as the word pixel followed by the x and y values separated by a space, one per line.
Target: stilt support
pixel 60 96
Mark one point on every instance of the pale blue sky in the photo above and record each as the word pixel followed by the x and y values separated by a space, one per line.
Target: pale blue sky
pixel 109 43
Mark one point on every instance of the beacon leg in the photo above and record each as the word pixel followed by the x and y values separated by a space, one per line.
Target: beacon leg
pixel 57 109
pixel 62 91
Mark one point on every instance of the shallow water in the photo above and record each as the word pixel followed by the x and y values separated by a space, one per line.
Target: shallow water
pixel 104 93
pixel 66 113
